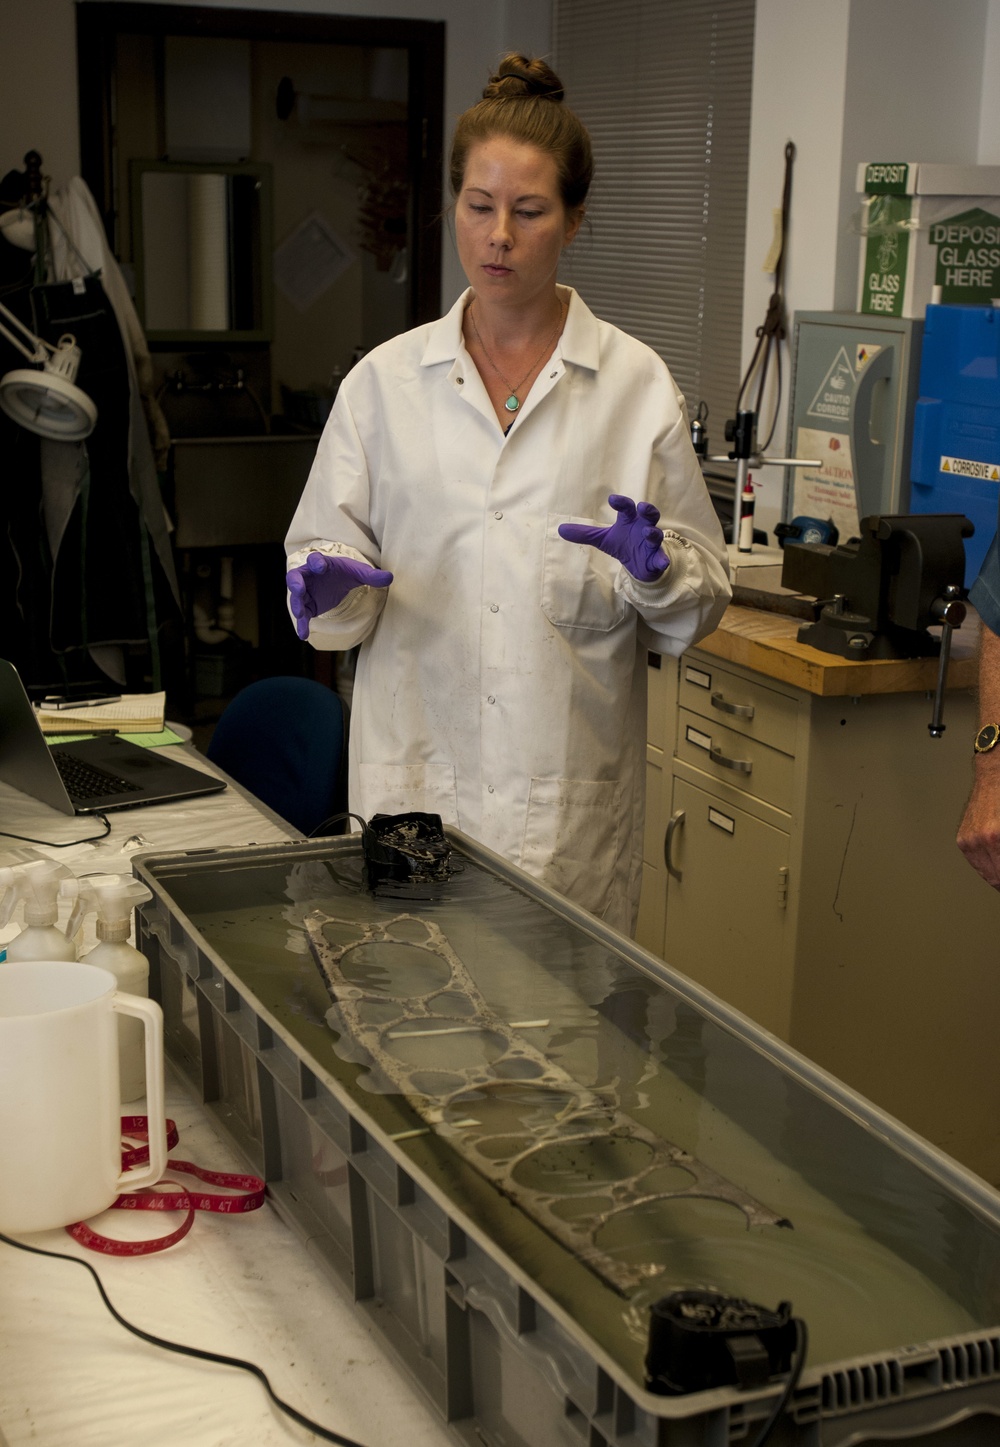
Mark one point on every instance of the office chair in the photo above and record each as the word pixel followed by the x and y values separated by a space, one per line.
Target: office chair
pixel 283 740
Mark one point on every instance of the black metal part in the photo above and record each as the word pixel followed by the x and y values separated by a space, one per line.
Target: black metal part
pixel 699 434
pixel 881 592
pixel 788 605
pixel 406 854
pixel 741 431
pixel 950 613
pixel 703 1339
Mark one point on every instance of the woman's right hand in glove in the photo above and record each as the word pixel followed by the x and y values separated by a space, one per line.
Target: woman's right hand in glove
pixel 323 581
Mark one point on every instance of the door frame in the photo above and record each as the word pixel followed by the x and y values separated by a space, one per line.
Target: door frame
pixel 100 22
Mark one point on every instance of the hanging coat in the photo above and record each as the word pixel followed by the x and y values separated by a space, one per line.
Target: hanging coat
pixel 502 678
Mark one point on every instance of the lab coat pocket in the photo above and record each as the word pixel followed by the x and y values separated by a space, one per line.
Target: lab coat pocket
pixel 578 581
pixel 572 838
pixel 403 788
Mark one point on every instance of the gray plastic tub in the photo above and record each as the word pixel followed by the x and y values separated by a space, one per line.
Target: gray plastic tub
pixel 508 1131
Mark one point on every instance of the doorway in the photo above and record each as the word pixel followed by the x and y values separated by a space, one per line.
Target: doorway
pixel 318 140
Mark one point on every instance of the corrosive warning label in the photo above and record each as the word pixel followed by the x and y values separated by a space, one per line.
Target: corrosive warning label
pixel 964 467
pixel 833 400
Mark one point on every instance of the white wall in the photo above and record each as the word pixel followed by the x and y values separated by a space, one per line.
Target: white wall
pixel 850 81
pixel 989 108
pixel 38 98
pixel 38 108
pixel 923 106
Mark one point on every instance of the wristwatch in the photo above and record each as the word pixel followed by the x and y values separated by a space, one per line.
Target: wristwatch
pixel 987 738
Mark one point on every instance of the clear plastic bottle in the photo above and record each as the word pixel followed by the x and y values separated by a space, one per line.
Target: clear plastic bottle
pixel 113 898
pixel 39 885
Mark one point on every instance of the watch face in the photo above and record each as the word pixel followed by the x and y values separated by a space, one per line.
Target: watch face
pixel 986 738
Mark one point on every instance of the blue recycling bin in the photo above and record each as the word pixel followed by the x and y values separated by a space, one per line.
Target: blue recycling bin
pixel 955 459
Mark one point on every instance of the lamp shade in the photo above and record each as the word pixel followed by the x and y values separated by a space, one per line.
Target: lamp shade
pixel 44 398
pixel 46 403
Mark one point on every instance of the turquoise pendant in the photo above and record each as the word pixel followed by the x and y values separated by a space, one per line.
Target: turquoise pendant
pixel 512 403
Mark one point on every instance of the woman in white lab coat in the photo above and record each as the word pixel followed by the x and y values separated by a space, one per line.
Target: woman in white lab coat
pixel 469 463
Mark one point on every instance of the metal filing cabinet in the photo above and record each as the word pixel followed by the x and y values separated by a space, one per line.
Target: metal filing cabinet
pixel 853 389
pixel 800 863
pixel 728 770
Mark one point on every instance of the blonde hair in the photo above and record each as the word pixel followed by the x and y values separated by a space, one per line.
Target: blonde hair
pixel 524 101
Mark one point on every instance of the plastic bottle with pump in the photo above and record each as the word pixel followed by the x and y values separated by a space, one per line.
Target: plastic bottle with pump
pixel 113 899
pixel 39 885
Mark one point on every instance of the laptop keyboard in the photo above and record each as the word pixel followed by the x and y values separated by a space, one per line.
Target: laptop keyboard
pixel 84 781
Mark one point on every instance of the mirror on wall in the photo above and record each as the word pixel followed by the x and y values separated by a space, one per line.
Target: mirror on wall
pixel 200 237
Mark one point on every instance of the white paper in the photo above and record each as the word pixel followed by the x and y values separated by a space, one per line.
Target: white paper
pixel 309 261
pixel 826 491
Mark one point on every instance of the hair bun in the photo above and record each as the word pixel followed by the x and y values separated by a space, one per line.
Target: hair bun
pixel 519 78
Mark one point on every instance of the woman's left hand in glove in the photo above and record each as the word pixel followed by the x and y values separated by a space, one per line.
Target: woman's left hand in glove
pixel 633 538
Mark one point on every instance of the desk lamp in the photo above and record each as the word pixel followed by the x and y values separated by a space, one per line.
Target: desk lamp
pixel 45 401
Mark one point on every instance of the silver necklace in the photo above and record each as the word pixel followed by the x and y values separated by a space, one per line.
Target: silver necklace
pixel 513 402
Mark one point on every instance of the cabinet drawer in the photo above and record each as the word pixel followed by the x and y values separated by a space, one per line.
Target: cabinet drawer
pixel 738 703
pixel 733 758
pixel 727 914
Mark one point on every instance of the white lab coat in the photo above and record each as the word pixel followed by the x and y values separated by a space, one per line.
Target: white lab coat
pixel 502 681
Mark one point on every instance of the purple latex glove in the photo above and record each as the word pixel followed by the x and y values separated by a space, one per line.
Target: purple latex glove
pixel 324 581
pixel 633 538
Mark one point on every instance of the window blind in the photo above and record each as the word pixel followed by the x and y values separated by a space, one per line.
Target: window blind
pixel 664 88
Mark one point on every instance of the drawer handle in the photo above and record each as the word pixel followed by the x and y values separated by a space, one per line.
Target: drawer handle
pixel 676 820
pixel 738 766
pixel 740 710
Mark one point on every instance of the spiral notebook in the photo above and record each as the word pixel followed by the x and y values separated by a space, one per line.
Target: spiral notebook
pixel 87 776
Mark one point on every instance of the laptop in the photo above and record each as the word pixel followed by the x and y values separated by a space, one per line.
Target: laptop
pixel 87 776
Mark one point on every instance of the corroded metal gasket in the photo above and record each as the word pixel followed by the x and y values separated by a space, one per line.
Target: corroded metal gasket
pixel 586 1117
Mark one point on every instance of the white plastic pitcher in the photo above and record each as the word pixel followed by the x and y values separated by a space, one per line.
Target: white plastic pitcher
pixel 60 1101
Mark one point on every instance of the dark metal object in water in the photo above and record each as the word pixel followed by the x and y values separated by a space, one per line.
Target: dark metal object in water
pixel 406 854
pixel 703 1339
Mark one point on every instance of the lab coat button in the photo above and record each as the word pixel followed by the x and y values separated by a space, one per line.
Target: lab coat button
pixel 460 381
pixel 489 788
pixel 494 608
pixel 498 515
pixel 491 699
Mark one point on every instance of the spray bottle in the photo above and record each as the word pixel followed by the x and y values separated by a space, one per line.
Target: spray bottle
pixel 40 885
pixel 113 898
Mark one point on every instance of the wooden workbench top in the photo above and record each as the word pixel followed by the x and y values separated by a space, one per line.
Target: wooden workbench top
pixel 767 643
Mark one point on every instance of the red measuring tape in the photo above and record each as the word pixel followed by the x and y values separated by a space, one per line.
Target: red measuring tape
pixel 169 1195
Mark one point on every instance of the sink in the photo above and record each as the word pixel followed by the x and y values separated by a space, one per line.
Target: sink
pixel 238 491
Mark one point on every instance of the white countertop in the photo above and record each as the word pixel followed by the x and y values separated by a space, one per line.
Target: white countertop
pixel 242 1285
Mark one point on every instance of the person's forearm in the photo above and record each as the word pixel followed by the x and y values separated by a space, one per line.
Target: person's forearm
pixel 979 831
pixel 989 677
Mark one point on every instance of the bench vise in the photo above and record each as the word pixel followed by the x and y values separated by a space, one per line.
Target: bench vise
pixel 878 594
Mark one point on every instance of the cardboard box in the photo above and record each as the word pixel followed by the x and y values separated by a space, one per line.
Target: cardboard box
pixel 930 233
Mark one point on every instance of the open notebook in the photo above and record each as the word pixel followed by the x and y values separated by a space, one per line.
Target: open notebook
pixel 87 776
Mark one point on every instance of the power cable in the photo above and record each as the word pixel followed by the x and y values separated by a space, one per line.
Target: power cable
pixel 772 332
pixel 326 1433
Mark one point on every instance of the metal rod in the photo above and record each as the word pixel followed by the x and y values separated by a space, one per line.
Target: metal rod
pixel 739 481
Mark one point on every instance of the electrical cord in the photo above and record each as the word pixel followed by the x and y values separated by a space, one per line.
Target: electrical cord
pixel 66 843
pixel 772 332
pixel 326 1433
pixel 794 1372
pixel 317 832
